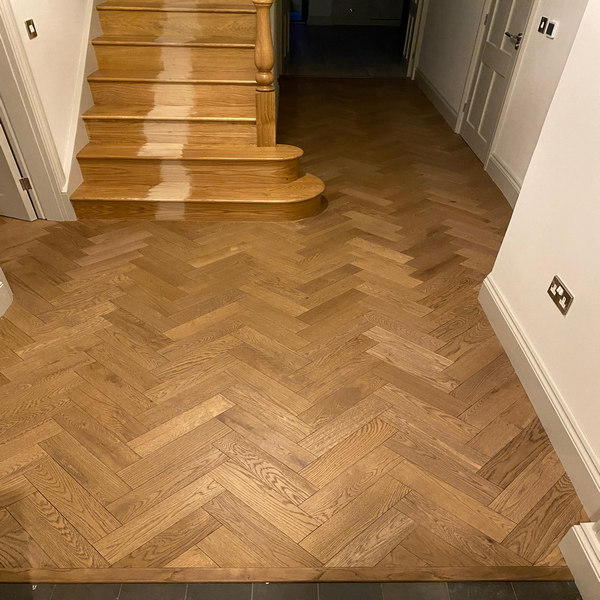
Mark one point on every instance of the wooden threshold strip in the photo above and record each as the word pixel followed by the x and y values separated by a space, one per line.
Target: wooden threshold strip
pixel 218 575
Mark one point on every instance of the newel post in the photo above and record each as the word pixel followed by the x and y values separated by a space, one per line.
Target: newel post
pixel 264 58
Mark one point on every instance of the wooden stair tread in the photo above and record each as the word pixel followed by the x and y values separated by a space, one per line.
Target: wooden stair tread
pixel 229 113
pixel 183 152
pixel 299 190
pixel 208 76
pixel 190 6
pixel 170 40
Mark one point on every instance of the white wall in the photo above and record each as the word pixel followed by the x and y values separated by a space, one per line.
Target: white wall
pixel 555 231
pixel 451 28
pixel 533 85
pixel 57 59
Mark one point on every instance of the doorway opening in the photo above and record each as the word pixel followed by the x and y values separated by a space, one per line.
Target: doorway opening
pixel 299 11
pixel 503 30
pixel 348 38
pixel 15 201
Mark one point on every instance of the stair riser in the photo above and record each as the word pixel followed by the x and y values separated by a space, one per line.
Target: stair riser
pixel 171 132
pixel 127 93
pixel 154 172
pixel 175 60
pixel 198 211
pixel 237 26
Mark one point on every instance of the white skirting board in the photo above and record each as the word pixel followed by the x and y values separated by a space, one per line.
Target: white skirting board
pixel 6 296
pixel 449 114
pixel 501 176
pixel 578 458
pixel 581 549
pixel 575 452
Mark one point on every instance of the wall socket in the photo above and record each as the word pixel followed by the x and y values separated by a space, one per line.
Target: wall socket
pixel 560 295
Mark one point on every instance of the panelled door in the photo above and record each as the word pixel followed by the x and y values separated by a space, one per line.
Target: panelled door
pixel 14 199
pixel 504 29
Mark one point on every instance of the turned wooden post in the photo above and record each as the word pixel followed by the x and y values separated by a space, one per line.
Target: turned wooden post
pixel 264 58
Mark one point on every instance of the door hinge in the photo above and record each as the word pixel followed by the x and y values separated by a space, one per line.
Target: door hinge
pixel 25 184
pixel 486 19
pixel 465 107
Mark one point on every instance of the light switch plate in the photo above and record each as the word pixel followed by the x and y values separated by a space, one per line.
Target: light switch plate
pixel 31 30
pixel 561 296
pixel 551 29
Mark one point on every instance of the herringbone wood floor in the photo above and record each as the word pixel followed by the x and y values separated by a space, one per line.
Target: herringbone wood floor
pixel 316 399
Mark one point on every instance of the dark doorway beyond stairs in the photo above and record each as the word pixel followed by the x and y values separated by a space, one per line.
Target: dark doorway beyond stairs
pixel 345 51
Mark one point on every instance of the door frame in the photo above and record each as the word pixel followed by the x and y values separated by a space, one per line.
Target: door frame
pixel 25 116
pixel 476 58
pixel 416 35
pixel 418 38
pixel 14 150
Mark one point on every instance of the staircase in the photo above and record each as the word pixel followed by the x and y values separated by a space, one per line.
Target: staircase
pixel 183 125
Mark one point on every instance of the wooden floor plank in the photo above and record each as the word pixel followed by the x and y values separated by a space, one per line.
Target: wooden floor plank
pixel 277 509
pixel 141 529
pixel 354 518
pixel 274 547
pixel 54 534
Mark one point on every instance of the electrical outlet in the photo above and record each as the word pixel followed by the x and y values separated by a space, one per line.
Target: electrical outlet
pixel 561 296
pixel 551 29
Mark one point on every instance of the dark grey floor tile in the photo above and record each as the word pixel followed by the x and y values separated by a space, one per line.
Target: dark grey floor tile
pixel 481 590
pixel 285 591
pixel 415 591
pixel 350 591
pixel 86 591
pixel 26 591
pixel 546 590
pixel 153 591
pixel 219 591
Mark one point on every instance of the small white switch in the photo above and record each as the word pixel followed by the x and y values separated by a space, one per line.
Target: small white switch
pixel 31 30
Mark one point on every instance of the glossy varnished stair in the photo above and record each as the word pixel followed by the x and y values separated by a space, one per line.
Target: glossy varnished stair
pixel 174 131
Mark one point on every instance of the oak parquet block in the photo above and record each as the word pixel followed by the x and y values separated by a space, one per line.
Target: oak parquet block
pixel 265 468
pixel 456 532
pixel 354 518
pixel 268 541
pixel 82 510
pixel 146 526
pixel 18 550
pixel 277 509
pixel 54 534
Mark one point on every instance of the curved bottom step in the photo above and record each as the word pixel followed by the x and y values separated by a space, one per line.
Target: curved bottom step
pixel 168 201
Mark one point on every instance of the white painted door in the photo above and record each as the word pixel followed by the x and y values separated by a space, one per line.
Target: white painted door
pixel 14 200
pixel 495 65
pixel 415 13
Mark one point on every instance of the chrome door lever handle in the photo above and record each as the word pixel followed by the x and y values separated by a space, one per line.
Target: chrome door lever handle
pixel 515 39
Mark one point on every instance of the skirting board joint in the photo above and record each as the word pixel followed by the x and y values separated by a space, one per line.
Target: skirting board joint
pixel 581 550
